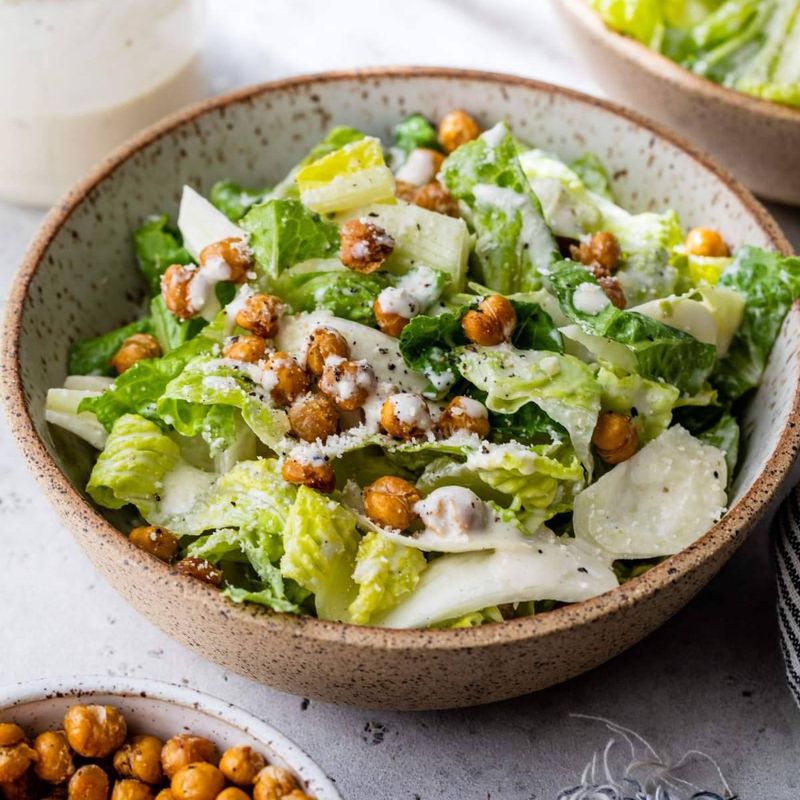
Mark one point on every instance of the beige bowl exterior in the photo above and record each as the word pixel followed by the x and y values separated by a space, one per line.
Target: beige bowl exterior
pixel 78 279
pixel 758 141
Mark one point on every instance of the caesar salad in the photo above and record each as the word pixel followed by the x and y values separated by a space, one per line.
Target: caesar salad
pixel 440 382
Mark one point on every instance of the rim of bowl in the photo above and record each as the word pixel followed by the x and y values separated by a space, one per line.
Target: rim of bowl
pixel 26 692
pixel 666 68
pixel 74 508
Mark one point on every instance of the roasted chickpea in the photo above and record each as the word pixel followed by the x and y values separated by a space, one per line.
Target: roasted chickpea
pixel 88 783
pixel 457 128
pixel 274 783
pixel 241 765
pixel 614 437
pixel 130 789
pixel 165 794
pixel 405 416
pixel 435 197
pixel 613 290
pixel 251 349
pixel 325 342
pixel 15 760
pixel 347 383
pixel 140 758
pixel 261 314
pixel 491 323
pixel 363 245
pixel 133 349
pixel 389 501
pixel 464 414
pixel 313 416
pixel 314 472
pixel 234 252
pixel 706 242
pixel 405 191
pixel 297 794
pixel 421 166
pixel 233 793
pixel 185 749
pixel 54 758
pixel 94 731
pixel 175 289
pixel 602 250
pixel 201 570
pixel 157 541
pixel 389 322
pixel 10 733
pixel 291 380
pixel 198 781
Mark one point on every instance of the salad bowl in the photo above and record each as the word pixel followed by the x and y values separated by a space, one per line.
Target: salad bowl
pixel 754 138
pixel 163 710
pixel 77 281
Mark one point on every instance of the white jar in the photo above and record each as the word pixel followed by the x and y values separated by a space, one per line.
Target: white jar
pixel 77 77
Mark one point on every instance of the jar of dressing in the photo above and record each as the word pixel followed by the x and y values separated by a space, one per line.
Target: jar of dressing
pixel 77 77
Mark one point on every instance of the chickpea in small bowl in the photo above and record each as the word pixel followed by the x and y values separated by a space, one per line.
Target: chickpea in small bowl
pixel 143 740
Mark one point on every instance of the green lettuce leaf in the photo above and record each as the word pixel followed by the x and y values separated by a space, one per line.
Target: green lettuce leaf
pixel 320 547
pixel 527 425
pixel 170 331
pixel 473 620
pixel 385 573
pixel 234 200
pixel 415 131
pixel 157 245
pixel 661 352
pixel 562 386
pixel 284 233
pixel 132 466
pixel 640 19
pixel 514 246
pixel 93 356
pixel 139 388
pixel 770 284
pixel 214 387
pixel 590 169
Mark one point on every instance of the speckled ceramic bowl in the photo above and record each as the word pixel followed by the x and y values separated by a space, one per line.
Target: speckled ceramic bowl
pixel 163 710
pixel 79 279
pixel 757 140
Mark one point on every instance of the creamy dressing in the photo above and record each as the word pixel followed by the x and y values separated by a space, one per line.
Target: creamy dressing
pixel 180 489
pixel 411 410
pixel 494 135
pixel 414 293
pixel 589 298
pixel 238 303
pixel 452 510
pixel 204 281
pixel 419 168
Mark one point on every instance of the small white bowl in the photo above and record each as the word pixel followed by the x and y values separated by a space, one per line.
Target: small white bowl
pixel 163 710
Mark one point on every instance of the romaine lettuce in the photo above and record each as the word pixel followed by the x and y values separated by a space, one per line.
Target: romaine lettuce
pixel 590 169
pixel 386 572
pixel 170 331
pixel 514 246
pixel 93 356
pixel 770 283
pixel 284 233
pixel 413 132
pixel 234 200
pixel 132 466
pixel 660 352
pixel 320 546
pixel 157 246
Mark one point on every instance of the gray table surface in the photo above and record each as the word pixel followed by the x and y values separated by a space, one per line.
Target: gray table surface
pixel 711 678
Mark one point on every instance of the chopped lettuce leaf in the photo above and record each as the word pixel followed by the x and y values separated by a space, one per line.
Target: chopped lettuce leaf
pixel 658 501
pixel 157 246
pixel 561 385
pixel 590 169
pixel 214 387
pixel 170 331
pixel 320 547
pixel 93 356
pixel 415 131
pixel 201 224
pixel 284 233
pixel 132 466
pixel 234 200
pixel 661 352
pixel 640 19
pixel 61 409
pixel 514 246
pixel 386 572
pixel 770 283
pixel 352 176
pixel 473 620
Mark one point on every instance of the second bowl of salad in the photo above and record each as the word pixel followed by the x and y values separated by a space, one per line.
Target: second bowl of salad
pixel 725 74
pixel 430 407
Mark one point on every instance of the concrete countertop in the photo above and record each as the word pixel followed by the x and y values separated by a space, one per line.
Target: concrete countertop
pixel 710 679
